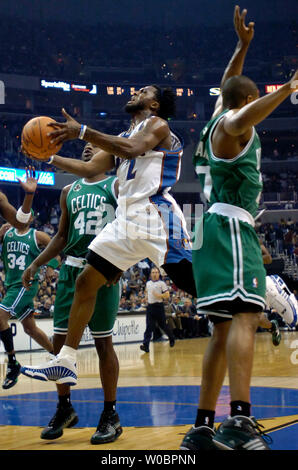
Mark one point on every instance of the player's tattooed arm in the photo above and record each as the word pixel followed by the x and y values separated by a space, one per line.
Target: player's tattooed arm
pixel 235 66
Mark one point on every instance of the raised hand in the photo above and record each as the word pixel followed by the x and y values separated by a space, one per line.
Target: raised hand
pixel 294 82
pixel 68 130
pixel 244 33
pixel 30 185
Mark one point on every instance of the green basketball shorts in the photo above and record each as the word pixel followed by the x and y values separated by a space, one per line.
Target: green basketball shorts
pixel 18 301
pixel 228 268
pixel 105 311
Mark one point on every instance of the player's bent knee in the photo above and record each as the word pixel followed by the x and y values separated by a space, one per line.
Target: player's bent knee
pixel 247 320
pixel 28 330
pixel 220 333
pixel 104 346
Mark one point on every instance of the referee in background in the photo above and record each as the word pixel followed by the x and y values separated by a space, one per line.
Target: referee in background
pixel 157 291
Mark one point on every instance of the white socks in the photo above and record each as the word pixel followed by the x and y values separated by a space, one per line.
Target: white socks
pixel 68 353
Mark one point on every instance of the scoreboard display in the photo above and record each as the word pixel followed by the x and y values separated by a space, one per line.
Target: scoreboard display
pixel 103 89
pixel 111 89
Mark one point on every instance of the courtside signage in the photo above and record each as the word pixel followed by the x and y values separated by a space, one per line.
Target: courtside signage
pixel 11 175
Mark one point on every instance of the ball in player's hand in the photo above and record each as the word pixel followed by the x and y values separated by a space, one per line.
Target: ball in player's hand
pixel 35 140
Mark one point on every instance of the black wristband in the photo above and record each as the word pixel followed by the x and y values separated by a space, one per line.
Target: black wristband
pixel 29 192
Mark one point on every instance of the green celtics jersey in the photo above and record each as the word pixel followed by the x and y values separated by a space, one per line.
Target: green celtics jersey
pixel 18 252
pixel 90 207
pixel 236 181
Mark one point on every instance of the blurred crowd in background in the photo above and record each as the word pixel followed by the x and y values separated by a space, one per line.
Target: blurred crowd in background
pixel 185 54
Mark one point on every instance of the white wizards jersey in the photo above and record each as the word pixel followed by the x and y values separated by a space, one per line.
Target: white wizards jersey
pixel 149 223
pixel 152 173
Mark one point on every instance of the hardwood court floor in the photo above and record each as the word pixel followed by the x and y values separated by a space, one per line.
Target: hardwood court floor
pixel 157 396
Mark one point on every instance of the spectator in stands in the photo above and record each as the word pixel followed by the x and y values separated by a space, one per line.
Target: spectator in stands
pixel 289 240
pixel 123 305
pixel 173 316
pixel 46 309
pixel 190 319
pixel 54 217
pixel 144 267
pixel 49 229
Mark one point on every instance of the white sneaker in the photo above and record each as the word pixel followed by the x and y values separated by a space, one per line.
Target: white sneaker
pixel 59 370
pixel 295 305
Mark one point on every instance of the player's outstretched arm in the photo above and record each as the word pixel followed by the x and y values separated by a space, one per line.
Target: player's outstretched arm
pixel 235 66
pixel 54 246
pixel 20 218
pixel 154 132
pixel 238 122
pixel 100 163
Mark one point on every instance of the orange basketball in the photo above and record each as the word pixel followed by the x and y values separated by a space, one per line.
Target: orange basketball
pixel 35 140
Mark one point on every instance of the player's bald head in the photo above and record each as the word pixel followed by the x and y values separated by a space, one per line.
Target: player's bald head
pixel 238 91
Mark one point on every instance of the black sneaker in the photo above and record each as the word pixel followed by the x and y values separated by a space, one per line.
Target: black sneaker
pixel 172 342
pixel 63 418
pixel 12 373
pixel 276 336
pixel 200 438
pixel 144 348
pixel 241 433
pixel 108 429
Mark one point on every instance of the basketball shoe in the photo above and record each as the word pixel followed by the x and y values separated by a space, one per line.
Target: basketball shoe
pixel 12 374
pixel 65 417
pixel 280 298
pixel 59 370
pixel 276 336
pixel 200 438
pixel 241 433
pixel 108 429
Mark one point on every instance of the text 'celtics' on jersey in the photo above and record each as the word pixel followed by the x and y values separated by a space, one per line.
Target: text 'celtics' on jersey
pixel 90 207
pixel 18 252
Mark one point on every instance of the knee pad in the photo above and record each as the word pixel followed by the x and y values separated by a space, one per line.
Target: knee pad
pixel 279 298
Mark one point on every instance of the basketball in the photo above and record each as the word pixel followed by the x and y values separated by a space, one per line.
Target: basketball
pixel 35 140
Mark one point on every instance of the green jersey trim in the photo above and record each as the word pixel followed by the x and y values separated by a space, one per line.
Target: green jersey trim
pixel 83 181
pixel 238 289
pixel 234 159
pixel 36 242
pixel 89 183
pixel 232 295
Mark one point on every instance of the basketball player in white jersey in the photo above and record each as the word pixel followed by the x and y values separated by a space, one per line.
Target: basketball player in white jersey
pixel 148 224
